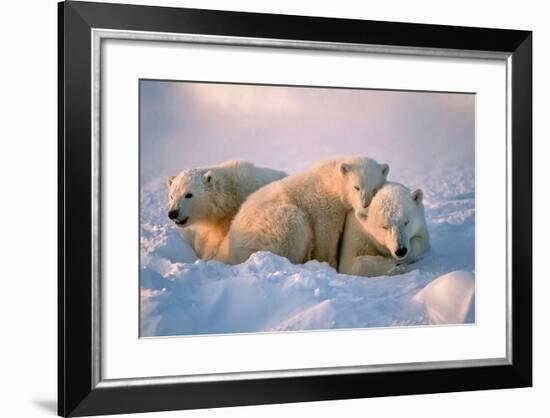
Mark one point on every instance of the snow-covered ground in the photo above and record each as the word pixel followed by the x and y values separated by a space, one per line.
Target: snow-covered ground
pixel 181 295
pixel 428 139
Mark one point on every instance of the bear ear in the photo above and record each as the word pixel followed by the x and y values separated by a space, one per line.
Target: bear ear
pixel 208 176
pixel 345 168
pixel 385 169
pixel 417 196
pixel 170 180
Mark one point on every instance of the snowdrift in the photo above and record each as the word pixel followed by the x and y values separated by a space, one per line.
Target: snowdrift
pixel 181 295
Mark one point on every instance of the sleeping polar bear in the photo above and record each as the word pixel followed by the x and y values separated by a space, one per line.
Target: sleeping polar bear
pixel 392 233
pixel 208 198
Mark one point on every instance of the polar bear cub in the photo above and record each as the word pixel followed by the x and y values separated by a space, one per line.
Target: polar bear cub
pixel 301 217
pixel 388 235
pixel 208 198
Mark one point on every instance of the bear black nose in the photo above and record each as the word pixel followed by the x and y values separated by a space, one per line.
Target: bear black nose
pixel 173 214
pixel 401 252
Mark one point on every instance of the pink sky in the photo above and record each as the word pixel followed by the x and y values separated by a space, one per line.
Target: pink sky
pixel 187 124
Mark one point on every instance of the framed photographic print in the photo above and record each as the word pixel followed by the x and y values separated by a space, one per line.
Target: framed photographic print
pixel 265 208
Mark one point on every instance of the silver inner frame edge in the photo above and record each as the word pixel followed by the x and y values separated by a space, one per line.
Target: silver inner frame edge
pixel 98 35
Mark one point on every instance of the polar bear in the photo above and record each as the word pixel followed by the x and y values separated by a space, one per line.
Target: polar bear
pixel 208 198
pixel 385 237
pixel 301 217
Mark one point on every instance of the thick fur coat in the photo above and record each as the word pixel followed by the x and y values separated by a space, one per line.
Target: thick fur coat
pixel 387 236
pixel 203 201
pixel 301 217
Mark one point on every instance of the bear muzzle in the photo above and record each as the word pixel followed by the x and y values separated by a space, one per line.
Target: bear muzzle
pixel 401 252
pixel 182 222
pixel 174 214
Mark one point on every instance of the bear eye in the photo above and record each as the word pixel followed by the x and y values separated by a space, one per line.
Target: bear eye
pixel 188 195
pixel 357 188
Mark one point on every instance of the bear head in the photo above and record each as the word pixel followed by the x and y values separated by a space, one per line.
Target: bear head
pixel 190 196
pixel 394 216
pixel 362 178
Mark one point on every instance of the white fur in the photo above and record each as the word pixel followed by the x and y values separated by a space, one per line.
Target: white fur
pixel 217 193
pixel 302 216
pixel 393 220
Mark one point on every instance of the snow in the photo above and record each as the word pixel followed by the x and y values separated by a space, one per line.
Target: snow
pixel 428 141
pixel 448 299
pixel 181 295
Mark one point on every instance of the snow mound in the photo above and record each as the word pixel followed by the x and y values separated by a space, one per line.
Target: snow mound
pixel 449 299
pixel 268 293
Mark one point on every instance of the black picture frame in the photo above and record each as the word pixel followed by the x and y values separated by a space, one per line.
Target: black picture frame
pixel 77 393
